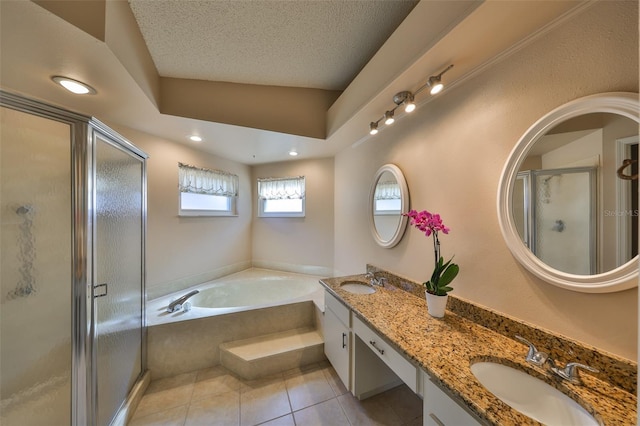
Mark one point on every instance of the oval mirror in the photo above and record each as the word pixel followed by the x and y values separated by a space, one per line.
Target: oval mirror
pixel 568 197
pixel 388 199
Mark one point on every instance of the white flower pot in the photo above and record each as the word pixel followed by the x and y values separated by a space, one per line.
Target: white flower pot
pixel 436 304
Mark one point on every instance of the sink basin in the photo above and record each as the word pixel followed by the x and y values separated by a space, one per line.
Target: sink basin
pixel 357 287
pixel 531 396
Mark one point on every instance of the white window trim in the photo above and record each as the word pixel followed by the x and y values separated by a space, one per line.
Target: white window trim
pixel 298 194
pixel 196 180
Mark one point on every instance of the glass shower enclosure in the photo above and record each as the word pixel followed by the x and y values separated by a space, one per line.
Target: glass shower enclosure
pixel 73 214
pixel 554 212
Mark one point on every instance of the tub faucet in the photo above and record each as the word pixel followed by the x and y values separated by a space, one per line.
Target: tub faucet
pixel 176 305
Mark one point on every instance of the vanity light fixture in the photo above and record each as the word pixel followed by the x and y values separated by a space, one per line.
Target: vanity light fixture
pixel 74 86
pixel 388 118
pixel 435 82
pixel 195 138
pixel 406 99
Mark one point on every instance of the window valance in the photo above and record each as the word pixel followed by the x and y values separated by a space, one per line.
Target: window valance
pixel 289 188
pixel 204 181
pixel 389 190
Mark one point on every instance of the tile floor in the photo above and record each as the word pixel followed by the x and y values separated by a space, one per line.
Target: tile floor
pixel 308 397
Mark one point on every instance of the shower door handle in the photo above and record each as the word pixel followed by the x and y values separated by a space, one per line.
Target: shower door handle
pixel 103 290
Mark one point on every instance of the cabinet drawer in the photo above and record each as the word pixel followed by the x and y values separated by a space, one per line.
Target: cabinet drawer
pixel 341 311
pixel 442 410
pixel 406 371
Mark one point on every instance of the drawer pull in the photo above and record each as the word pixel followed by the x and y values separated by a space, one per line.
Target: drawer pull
pixel 344 340
pixel 436 419
pixel 373 343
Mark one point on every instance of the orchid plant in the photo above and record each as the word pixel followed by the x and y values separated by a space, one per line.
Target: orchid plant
pixel 443 273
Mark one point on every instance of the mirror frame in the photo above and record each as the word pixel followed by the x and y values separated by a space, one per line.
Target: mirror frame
pixel 618 279
pixel 404 206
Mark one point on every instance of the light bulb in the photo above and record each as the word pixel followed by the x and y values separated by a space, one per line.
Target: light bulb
pixel 74 86
pixel 388 118
pixel 409 107
pixel 436 85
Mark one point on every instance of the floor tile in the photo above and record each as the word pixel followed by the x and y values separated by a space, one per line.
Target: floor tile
pixel 171 417
pixel 161 400
pixel 307 389
pixel 174 382
pixel 305 396
pixel 326 413
pixel 281 421
pixel 406 404
pixel 369 412
pixel 334 381
pixel 215 381
pixel 262 400
pixel 215 410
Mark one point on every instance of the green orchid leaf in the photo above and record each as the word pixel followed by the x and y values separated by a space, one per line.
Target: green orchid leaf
pixel 448 275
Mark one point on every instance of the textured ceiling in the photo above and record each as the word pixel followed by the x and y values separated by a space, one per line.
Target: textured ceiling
pixel 296 43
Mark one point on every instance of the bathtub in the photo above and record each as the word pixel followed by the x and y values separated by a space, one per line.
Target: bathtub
pixel 246 290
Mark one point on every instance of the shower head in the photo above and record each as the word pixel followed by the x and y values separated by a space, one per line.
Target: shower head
pixel 23 210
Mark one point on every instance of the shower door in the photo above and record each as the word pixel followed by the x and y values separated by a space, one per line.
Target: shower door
pixel 118 274
pixel 72 216
pixel 35 274
pixel 564 226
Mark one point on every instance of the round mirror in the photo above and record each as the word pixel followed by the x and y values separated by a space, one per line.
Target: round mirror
pixel 568 197
pixel 388 199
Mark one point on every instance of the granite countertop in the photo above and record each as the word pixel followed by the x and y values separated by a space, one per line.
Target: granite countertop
pixel 445 348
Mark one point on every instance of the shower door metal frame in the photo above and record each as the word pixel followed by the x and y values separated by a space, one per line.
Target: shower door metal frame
pixel 82 129
pixel 593 201
pixel 97 128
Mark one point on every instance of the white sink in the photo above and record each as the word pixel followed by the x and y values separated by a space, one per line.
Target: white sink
pixel 357 287
pixel 531 396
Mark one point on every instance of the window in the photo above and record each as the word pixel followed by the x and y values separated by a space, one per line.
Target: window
pixel 387 199
pixel 281 197
pixel 205 192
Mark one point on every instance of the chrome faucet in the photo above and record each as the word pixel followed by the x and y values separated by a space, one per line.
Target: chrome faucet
pixel 375 280
pixel 534 356
pixel 177 304
pixel 570 371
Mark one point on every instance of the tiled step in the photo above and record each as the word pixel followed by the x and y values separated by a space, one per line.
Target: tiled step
pixel 272 353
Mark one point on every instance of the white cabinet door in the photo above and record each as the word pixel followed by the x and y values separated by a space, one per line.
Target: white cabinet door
pixel 337 345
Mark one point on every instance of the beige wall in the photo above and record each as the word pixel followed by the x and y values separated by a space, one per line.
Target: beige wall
pixel 452 152
pixel 298 244
pixel 183 251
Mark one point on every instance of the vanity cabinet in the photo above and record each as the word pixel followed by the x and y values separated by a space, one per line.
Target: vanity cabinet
pixel 337 337
pixel 440 409
pixel 364 361
pixel 395 361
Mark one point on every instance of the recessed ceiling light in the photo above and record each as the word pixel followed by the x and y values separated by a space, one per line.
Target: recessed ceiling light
pixel 293 153
pixel 74 86
pixel 195 138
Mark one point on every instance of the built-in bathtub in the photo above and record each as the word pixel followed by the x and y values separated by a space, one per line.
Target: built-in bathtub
pixel 246 304
pixel 246 290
